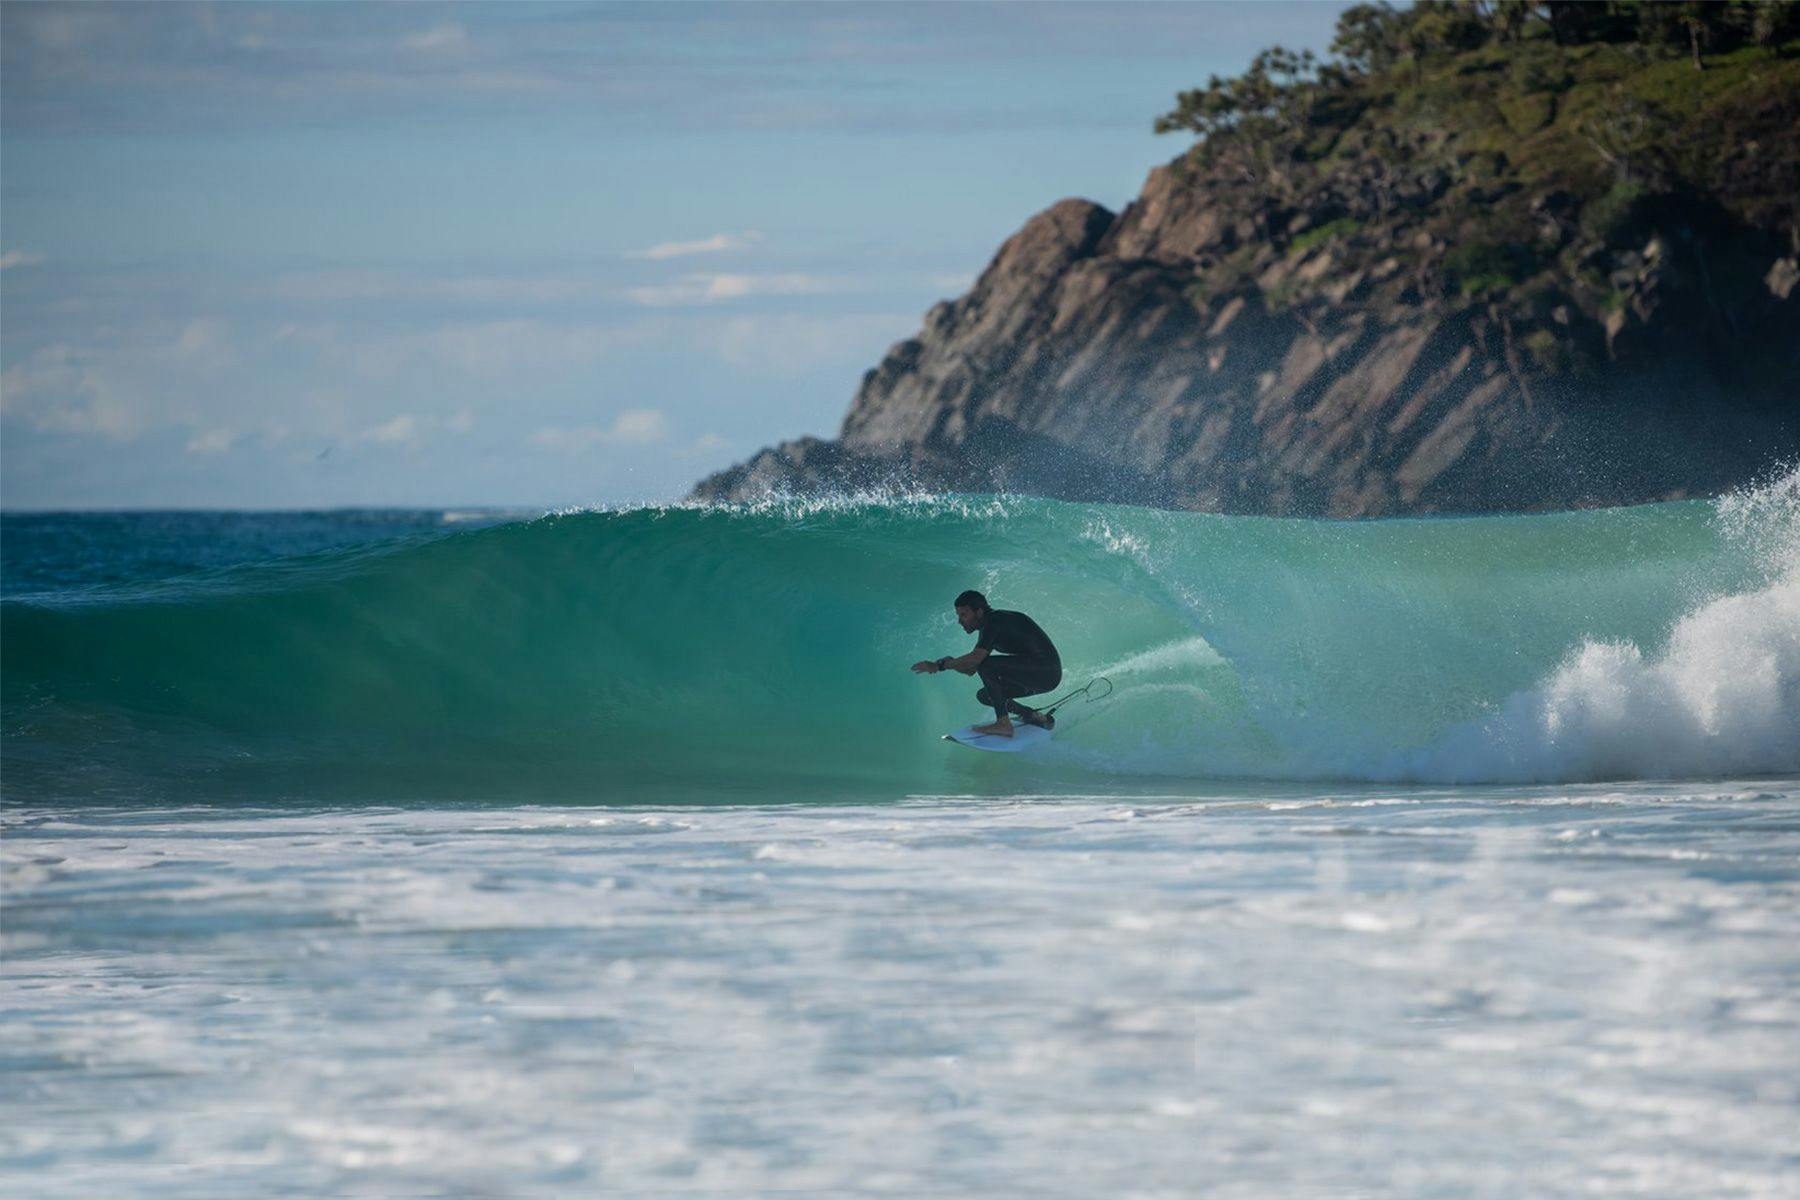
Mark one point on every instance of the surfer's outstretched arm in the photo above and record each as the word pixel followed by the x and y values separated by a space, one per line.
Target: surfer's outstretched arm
pixel 966 663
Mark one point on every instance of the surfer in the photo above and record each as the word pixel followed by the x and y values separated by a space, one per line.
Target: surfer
pixel 1013 657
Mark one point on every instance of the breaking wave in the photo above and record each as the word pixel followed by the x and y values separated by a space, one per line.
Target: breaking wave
pixel 588 654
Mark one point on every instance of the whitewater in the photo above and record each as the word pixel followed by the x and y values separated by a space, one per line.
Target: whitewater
pixel 613 852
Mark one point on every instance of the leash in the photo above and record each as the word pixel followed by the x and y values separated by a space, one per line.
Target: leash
pixel 1086 692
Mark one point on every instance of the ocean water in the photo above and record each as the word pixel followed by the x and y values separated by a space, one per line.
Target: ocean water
pixel 614 853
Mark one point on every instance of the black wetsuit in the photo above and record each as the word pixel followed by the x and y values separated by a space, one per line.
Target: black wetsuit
pixel 1021 661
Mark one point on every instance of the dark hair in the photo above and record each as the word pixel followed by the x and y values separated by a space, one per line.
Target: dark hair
pixel 971 599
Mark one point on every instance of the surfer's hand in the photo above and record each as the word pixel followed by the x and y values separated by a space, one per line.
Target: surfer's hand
pixel 926 668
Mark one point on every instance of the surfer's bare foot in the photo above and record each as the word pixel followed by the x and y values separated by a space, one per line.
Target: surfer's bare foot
pixel 996 729
pixel 1041 720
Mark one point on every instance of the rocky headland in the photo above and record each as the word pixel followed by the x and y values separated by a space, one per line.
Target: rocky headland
pixel 1519 267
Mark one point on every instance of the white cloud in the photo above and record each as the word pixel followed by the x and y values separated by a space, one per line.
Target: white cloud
pixel 402 430
pixel 346 286
pixel 637 426
pixel 713 288
pixel 410 429
pixel 65 28
pixel 794 343
pixel 63 390
pixel 711 245
pixel 702 446
pixel 438 38
pixel 19 258
pixel 202 338
pixel 211 386
pixel 504 350
pixel 213 441
pixel 633 427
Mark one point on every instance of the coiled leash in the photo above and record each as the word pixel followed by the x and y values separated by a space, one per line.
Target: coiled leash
pixel 1087 692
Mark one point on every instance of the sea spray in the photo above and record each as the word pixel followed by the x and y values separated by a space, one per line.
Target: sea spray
pixel 1719 696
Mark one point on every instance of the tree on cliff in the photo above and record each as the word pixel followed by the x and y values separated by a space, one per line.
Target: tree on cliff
pixel 1564 88
pixel 1368 38
pixel 1281 92
pixel 1256 123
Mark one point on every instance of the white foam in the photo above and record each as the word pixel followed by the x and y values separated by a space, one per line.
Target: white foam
pixel 1721 698
pixel 424 1002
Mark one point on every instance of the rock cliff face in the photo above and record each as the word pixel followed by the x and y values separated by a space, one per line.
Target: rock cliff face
pixel 1358 351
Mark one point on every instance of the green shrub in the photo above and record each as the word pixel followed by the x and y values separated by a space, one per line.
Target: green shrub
pixel 1342 227
pixel 1612 215
pixel 1280 298
pixel 1539 71
pixel 1198 295
pixel 1546 351
pixel 1484 266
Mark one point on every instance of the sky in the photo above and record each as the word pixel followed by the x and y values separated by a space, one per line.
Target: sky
pixel 331 255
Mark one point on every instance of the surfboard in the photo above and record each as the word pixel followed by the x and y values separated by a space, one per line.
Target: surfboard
pixel 1024 738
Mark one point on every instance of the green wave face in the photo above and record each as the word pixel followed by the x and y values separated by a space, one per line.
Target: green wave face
pixel 759 651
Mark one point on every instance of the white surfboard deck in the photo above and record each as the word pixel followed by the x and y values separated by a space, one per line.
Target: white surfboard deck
pixel 1024 737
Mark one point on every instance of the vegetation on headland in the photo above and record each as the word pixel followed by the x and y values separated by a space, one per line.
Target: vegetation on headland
pixel 1509 150
pixel 1486 257
pixel 1591 82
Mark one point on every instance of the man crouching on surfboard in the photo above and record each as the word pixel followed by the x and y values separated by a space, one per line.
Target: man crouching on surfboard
pixel 1026 663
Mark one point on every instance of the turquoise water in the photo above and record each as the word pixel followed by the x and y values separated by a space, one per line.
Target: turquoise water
pixel 590 655
pixel 614 853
